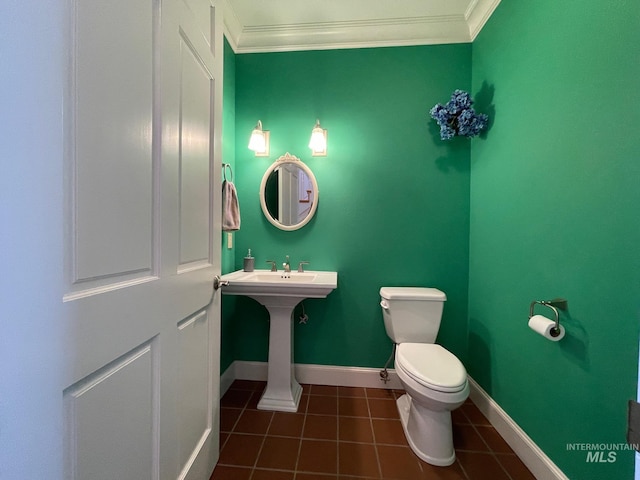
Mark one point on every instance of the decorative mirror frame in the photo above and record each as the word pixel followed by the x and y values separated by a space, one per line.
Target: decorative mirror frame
pixel 288 158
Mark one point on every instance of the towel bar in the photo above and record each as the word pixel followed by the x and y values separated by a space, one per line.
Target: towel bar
pixel 224 172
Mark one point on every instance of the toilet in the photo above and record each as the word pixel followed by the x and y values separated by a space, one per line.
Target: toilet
pixel 434 379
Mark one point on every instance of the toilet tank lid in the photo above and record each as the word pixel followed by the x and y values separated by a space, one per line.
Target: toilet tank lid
pixel 412 293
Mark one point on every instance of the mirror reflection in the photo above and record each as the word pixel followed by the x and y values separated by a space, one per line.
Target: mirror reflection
pixel 289 193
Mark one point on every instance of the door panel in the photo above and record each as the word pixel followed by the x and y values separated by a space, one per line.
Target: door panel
pixel 195 124
pixel 111 143
pixel 118 402
pixel 194 402
pixel 143 241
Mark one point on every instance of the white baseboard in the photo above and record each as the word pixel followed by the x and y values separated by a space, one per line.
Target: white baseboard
pixel 312 374
pixel 346 376
pixel 227 378
pixel 531 455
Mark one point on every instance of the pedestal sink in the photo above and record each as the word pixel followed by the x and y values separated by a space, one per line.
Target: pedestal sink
pixel 280 292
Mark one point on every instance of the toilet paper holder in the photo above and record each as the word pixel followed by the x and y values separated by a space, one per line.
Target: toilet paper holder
pixel 555 304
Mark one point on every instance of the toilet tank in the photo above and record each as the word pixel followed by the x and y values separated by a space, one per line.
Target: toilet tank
pixel 412 314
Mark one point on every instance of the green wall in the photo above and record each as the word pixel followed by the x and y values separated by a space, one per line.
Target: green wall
pixel 394 200
pixel 229 141
pixel 227 354
pixel 554 212
pixel 544 204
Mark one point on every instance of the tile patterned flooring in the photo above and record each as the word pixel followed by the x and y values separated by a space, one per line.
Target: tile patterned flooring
pixel 348 433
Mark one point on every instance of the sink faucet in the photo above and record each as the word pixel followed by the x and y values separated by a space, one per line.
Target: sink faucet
pixel 287 266
pixel 273 265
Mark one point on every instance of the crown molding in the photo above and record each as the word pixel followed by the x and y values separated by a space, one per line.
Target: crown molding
pixel 478 16
pixel 232 25
pixel 388 32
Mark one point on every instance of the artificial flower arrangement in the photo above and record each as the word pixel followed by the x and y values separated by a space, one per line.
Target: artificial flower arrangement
pixel 457 117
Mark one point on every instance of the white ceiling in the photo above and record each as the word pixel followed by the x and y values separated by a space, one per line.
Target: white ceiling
pixel 284 25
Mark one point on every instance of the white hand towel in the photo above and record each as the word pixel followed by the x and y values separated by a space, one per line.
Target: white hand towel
pixel 230 207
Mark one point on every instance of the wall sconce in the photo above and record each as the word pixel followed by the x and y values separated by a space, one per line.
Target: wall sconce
pixel 318 141
pixel 259 141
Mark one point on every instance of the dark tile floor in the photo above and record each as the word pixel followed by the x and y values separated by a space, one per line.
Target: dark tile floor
pixel 348 433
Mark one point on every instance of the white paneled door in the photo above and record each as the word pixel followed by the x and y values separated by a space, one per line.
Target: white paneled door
pixel 127 381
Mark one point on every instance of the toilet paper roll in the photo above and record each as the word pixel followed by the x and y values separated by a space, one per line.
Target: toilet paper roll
pixel 543 326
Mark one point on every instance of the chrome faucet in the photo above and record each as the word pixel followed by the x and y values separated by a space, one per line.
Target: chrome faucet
pixel 287 266
pixel 273 265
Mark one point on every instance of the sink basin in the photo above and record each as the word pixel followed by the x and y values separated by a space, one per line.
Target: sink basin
pixel 280 292
pixel 261 283
pixel 285 277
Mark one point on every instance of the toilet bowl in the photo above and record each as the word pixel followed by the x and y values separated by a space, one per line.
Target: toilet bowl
pixel 434 379
pixel 436 383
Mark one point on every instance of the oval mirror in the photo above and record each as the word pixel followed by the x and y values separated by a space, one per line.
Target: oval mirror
pixel 289 193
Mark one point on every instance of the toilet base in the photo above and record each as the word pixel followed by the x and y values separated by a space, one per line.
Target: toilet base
pixel 428 432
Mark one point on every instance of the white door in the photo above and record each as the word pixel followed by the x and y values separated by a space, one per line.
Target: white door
pixel 288 191
pixel 126 386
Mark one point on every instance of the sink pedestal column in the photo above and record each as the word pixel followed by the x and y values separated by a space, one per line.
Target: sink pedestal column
pixel 280 292
pixel 283 391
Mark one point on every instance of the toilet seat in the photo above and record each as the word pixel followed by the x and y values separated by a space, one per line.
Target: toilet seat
pixel 432 366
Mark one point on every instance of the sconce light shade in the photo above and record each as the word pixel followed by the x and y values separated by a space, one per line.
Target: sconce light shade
pixel 318 141
pixel 259 141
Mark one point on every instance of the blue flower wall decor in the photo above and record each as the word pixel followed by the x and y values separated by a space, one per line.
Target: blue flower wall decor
pixel 457 117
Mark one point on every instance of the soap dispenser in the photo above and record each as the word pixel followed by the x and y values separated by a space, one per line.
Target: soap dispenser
pixel 249 262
